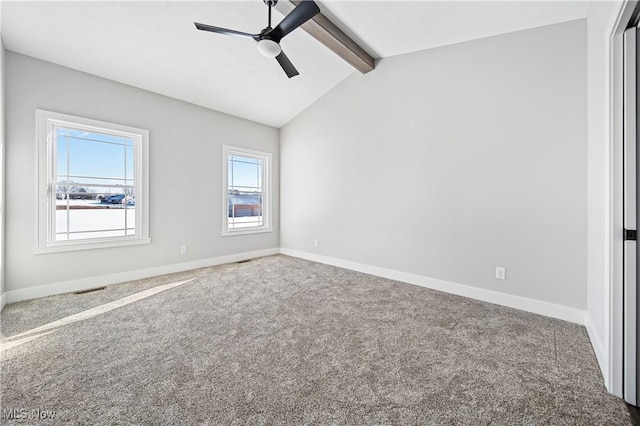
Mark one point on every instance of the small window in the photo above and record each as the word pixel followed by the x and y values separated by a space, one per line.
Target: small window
pixel 246 191
pixel 92 184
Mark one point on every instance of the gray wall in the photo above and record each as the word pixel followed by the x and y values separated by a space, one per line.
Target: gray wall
pixel 449 162
pixel 185 173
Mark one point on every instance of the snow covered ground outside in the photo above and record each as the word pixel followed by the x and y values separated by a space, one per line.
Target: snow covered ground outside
pixel 108 220
pixel 245 222
pixel 93 222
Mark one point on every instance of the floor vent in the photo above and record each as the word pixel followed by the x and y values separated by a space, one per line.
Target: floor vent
pixel 90 290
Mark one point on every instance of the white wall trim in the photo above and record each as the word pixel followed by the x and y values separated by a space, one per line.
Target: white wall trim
pixel 87 283
pixel 598 348
pixel 530 305
pixel 3 300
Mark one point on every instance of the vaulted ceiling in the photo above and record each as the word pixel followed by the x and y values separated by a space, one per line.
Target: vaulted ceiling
pixel 154 45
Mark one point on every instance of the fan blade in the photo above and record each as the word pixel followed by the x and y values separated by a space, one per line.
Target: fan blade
pixel 210 28
pixel 304 11
pixel 286 65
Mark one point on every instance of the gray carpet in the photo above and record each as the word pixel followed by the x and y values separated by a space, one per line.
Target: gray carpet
pixel 280 340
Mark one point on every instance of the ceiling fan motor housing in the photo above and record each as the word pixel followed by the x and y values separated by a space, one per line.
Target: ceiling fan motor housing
pixel 269 38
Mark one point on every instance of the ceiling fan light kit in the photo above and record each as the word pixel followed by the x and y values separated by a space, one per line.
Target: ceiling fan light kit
pixel 269 48
pixel 269 38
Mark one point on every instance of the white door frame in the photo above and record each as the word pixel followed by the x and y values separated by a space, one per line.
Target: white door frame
pixel 630 214
pixel 615 311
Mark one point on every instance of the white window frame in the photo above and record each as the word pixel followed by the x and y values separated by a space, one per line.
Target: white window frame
pixel 228 150
pixel 46 122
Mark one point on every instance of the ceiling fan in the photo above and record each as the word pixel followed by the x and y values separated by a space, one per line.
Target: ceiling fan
pixel 269 38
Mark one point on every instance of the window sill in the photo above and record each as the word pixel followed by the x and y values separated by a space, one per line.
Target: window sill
pixel 90 245
pixel 246 231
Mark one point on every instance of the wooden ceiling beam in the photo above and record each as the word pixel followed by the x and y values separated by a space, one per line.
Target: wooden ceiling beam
pixel 327 33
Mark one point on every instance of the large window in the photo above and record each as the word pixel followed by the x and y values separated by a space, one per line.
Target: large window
pixel 246 191
pixel 92 183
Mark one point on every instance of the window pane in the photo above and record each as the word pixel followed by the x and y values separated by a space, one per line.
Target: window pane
pixel 80 219
pixel 244 173
pixel 101 156
pixel 94 195
pixel 96 159
pixel 245 192
pixel 91 192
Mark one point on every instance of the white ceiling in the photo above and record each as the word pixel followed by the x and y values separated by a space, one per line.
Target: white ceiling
pixel 154 45
pixel 392 28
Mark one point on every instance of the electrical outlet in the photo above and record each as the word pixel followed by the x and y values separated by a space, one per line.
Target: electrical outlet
pixel 316 243
pixel 501 273
pixel 183 249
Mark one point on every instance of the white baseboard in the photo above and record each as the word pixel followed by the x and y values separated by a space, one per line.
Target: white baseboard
pixel 530 305
pixel 599 350
pixel 517 302
pixel 87 283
